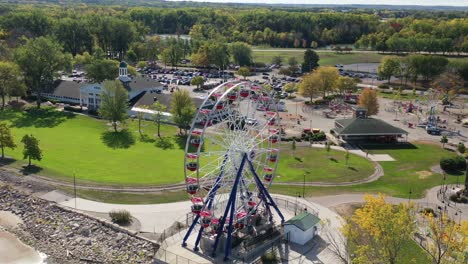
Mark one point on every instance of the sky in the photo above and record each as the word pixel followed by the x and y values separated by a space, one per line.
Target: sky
pixel 347 2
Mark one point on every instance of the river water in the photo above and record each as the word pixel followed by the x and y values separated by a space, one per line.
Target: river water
pixel 13 251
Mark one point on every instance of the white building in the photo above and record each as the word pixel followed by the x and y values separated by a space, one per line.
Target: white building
pixel 89 94
pixel 302 228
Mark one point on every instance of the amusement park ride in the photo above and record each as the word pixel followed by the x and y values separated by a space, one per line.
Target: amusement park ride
pixel 231 157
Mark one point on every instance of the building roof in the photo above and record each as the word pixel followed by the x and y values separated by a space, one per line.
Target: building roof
pixel 123 64
pixel 66 88
pixel 165 99
pixel 140 84
pixel 303 221
pixel 366 126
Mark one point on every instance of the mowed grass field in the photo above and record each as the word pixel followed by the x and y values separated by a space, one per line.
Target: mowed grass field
pixel 326 58
pixel 84 146
pixel 411 170
pixel 319 166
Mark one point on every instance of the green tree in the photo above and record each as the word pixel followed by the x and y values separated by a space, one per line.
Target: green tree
pixel 368 99
pixel 75 34
pixel 346 84
pixel 277 60
pixel 182 109
pixel 293 147
pixel 6 138
pixel 244 72
pixel 285 71
pixel 114 103
pixel 347 157
pixel 198 81
pixel 292 61
pixel 443 140
pixel 327 147
pixel 311 59
pixel 31 150
pixel 101 70
pixel 10 79
pixel 241 53
pixel 428 66
pixel 388 67
pixel 159 109
pixel 40 59
pixel 461 148
pixel 290 87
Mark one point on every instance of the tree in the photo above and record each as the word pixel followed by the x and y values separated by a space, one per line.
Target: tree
pixel 6 139
pixel 292 61
pixel 31 149
pixel 285 71
pixel 428 66
pixel 10 79
pixel 379 230
pixel 101 70
pixel 182 109
pixel 307 87
pixel 311 59
pixel 198 81
pixel 443 140
pixel 327 147
pixel 241 53
pixel 293 147
pixel 323 79
pixel 461 148
pixel 244 72
pixel 290 87
pixel 346 84
pixel 347 157
pixel 390 66
pixel 40 59
pixel 141 116
pixel 368 99
pixel 114 103
pixel 447 242
pixel 337 243
pixel 277 60
pixel 159 109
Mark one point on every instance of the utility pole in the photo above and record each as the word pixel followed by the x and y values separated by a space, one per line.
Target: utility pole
pixel 74 186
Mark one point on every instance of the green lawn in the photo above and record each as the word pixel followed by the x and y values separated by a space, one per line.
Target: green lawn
pixel 129 198
pixel 326 58
pixel 317 165
pixel 410 170
pixel 76 144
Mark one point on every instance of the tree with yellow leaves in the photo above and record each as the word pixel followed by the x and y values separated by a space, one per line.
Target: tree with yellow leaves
pixel 368 99
pixel 322 79
pixel 447 241
pixel 378 230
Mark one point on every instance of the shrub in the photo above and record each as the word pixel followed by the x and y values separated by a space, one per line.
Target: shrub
pixel 72 109
pixel 270 257
pixel 319 136
pixel 461 148
pixel 428 211
pixel 383 86
pixel 121 217
pixel 460 163
pixel 458 198
pixel 320 102
pixel 93 112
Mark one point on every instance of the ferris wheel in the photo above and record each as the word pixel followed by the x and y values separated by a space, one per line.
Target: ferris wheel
pixel 231 157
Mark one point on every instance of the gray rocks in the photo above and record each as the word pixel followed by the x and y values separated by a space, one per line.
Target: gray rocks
pixel 67 237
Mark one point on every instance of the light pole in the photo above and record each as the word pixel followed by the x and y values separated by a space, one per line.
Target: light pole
pixel 409 195
pixel 298 195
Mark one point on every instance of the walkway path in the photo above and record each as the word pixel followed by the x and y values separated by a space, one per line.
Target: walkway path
pixel 430 200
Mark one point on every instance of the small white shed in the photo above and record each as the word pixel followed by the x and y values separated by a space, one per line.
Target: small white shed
pixel 302 228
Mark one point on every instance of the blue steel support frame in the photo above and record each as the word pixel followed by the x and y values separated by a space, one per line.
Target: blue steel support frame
pixel 208 200
pixel 229 207
pixel 264 191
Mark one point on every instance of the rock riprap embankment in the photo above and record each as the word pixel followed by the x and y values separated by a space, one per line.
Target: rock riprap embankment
pixel 70 237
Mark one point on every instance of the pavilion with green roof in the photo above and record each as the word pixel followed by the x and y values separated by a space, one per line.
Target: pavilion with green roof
pixel 363 128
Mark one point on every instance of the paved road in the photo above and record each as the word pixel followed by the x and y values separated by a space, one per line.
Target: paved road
pixel 356 51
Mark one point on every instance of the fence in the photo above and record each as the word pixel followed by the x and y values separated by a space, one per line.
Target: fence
pixel 174 233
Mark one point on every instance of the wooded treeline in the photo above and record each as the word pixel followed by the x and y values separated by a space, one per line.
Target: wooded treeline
pixel 116 29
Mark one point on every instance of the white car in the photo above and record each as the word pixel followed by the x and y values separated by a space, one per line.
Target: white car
pixel 251 121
